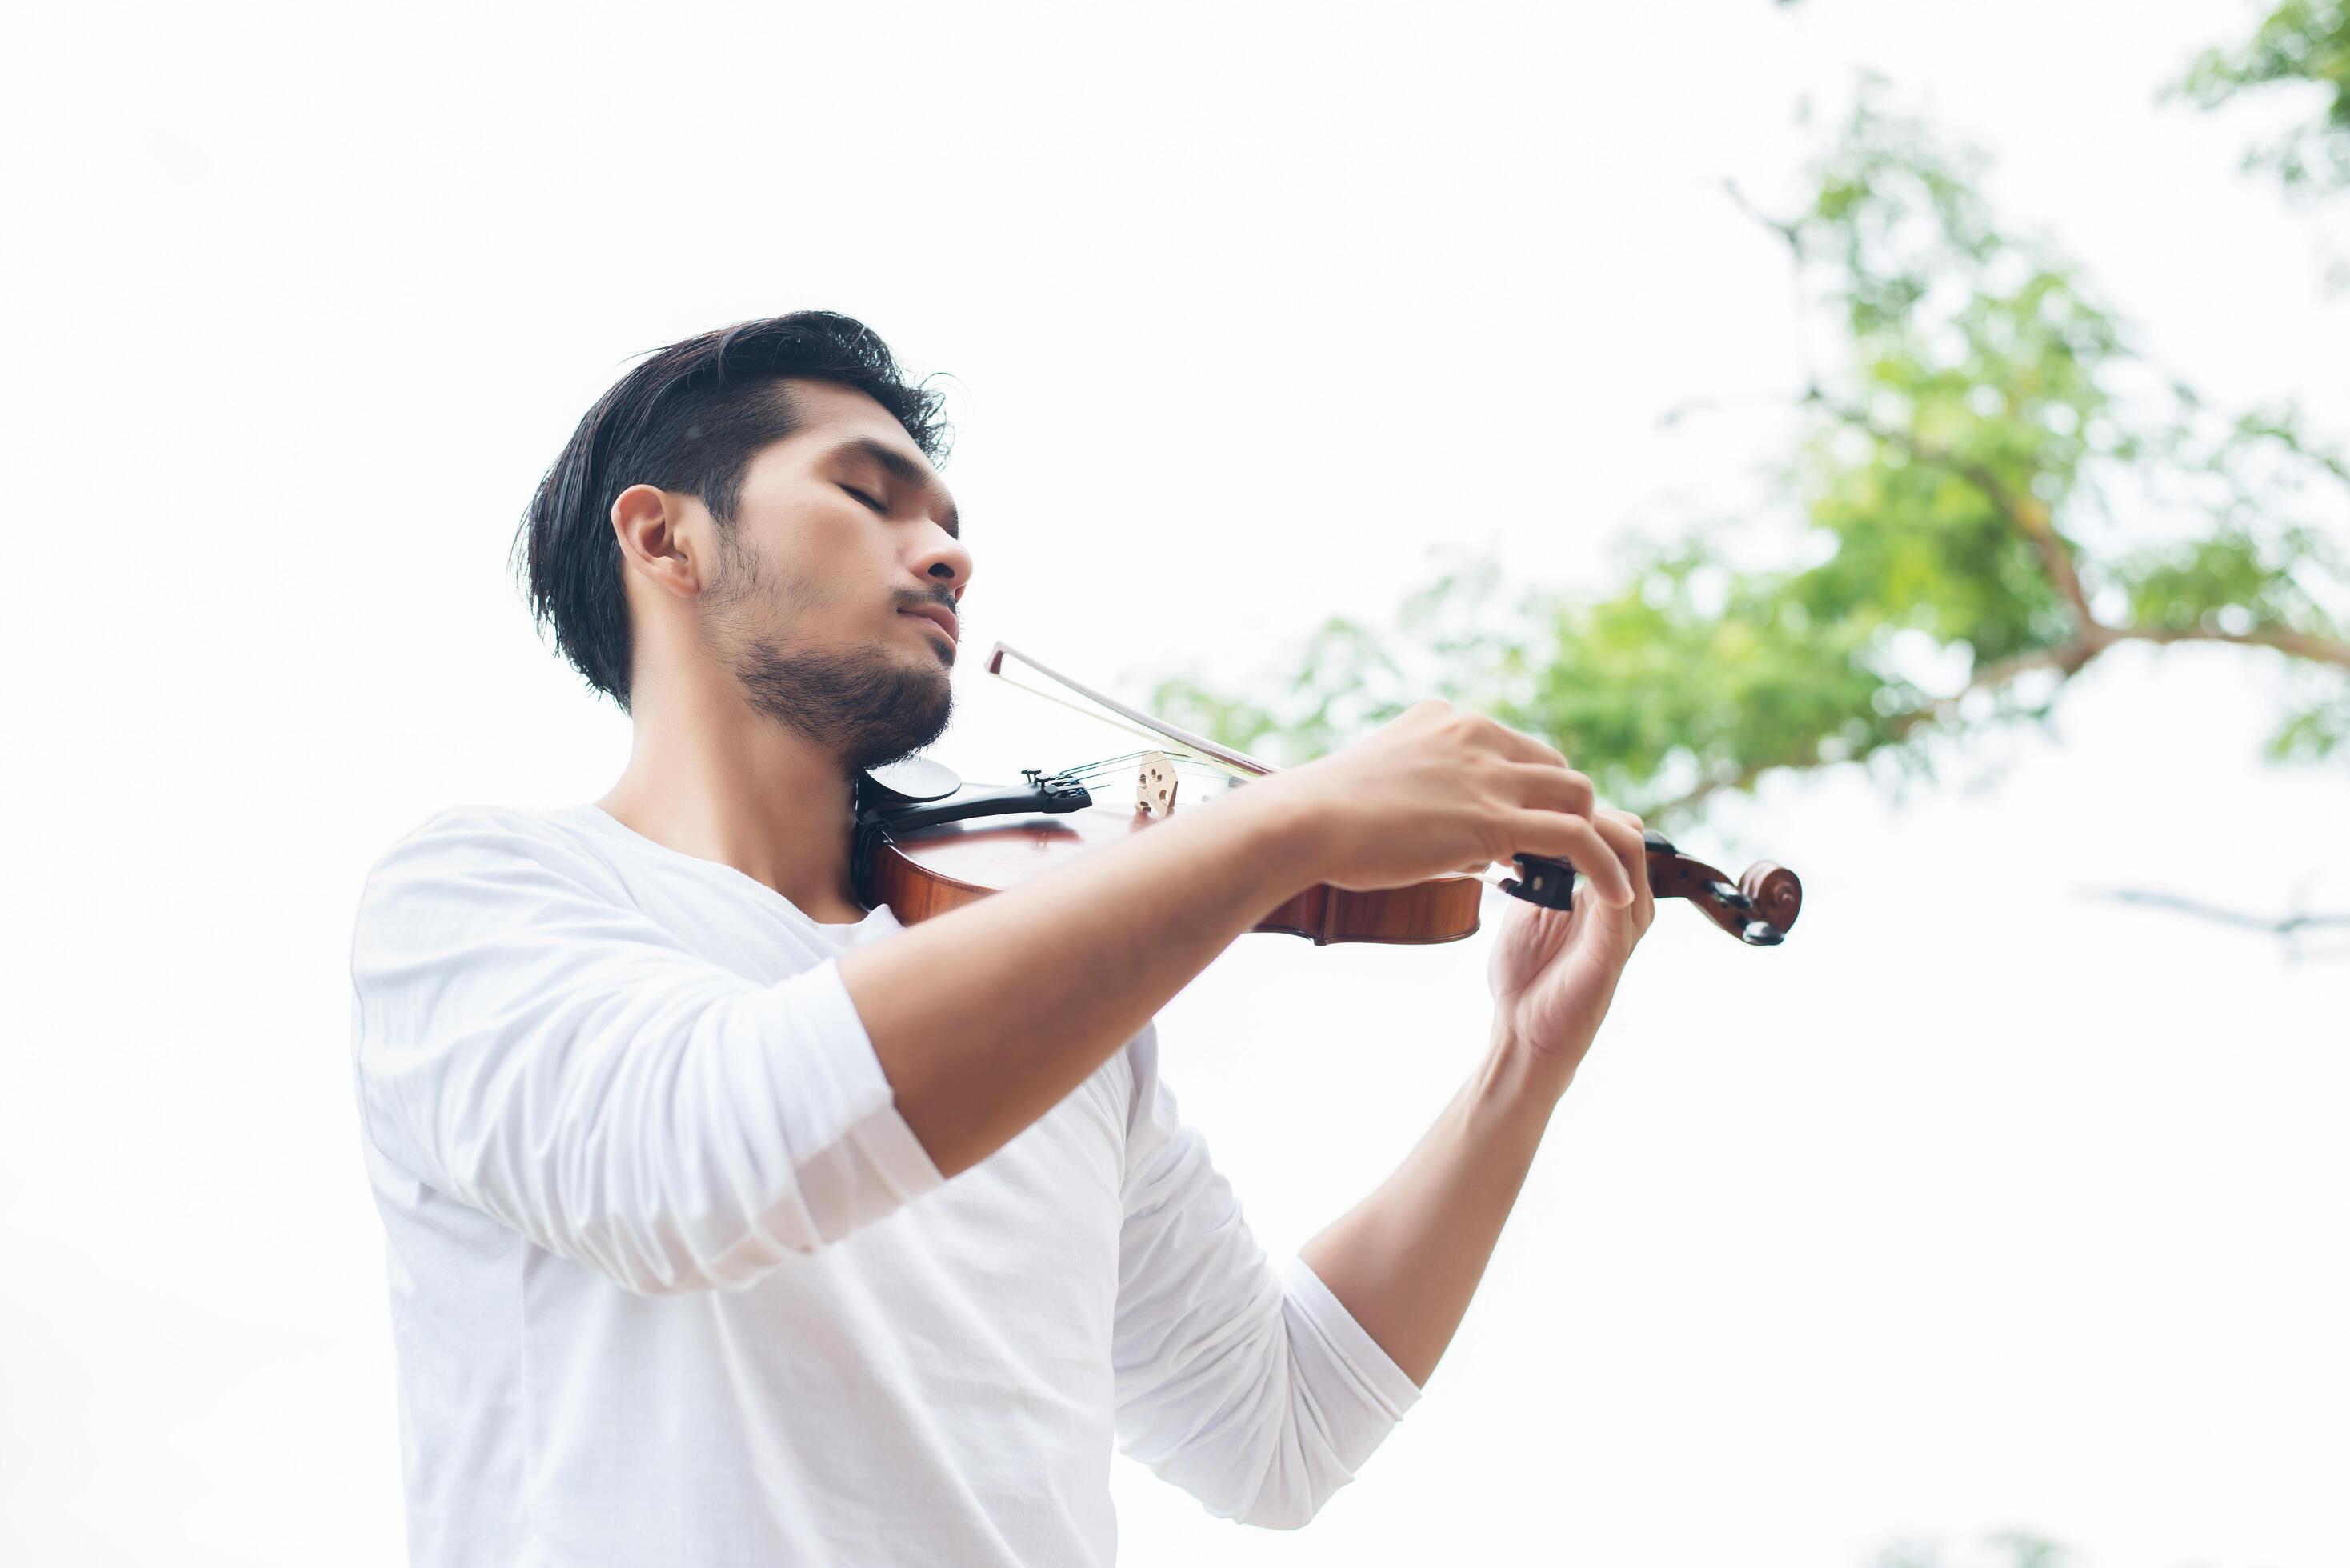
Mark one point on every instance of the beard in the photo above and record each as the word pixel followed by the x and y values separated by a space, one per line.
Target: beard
pixel 868 706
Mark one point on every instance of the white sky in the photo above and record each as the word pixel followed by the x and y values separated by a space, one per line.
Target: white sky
pixel 1979 1205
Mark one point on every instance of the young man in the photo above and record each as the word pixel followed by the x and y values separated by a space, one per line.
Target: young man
pixel 731 1224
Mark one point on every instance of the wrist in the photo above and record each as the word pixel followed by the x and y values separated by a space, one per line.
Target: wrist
pixel 1515 1073
pixel 1285 834
pixel 1506 1106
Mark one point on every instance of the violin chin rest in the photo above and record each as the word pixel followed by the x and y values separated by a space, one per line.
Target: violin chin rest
pixel 914 778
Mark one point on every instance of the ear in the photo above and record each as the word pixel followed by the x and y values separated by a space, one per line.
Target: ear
pixel 657 540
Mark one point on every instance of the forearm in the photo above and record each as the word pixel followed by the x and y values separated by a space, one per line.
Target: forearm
pixel 1406 1259
pixel 986 1018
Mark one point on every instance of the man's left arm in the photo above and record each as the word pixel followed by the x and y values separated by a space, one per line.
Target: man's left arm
pixel 1405 1261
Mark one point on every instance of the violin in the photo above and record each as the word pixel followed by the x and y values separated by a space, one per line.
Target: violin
pixel 924 843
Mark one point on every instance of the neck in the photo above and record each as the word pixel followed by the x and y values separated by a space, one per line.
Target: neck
pixel 710 778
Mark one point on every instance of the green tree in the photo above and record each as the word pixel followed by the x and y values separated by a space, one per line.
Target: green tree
pixel 1991 487
pixel 2304 43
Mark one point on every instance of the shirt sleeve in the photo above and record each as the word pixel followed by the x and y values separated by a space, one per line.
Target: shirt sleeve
pixel 533 1045
pixel 1254 1390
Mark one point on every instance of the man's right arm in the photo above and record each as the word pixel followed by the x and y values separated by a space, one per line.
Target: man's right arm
pixel 529 1045
pixel 986 1018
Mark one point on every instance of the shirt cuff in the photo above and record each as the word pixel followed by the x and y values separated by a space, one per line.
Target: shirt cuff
pixel 868 1147
pixel 1348 1341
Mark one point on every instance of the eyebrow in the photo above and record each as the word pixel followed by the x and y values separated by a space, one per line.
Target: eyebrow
pixel 906 470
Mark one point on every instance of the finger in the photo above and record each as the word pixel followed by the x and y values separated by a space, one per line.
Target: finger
pixel 1547 786
pixel 1623 832
pixel 1427 710
pixel 1516 745
pixel 1574 839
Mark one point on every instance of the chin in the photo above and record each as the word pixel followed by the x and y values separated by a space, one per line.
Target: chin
pixel 868 706
pixel 915 713
pixel 935 659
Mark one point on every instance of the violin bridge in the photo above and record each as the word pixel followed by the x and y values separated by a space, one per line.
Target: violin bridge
pixel 1154 786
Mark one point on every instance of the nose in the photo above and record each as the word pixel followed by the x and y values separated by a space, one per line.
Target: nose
pixel 945 561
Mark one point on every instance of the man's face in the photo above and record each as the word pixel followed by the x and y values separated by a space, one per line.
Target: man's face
pixel 842 563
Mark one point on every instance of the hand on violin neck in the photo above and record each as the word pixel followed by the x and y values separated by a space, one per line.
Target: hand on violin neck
pixel 1554 973
pixel 1439 790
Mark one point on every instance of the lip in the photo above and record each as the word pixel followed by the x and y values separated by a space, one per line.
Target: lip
pixel 937 616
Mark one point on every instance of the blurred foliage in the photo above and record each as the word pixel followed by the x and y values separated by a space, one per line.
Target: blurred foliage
pixel 2008 1549
pixel 2306 42
pixel 1988 487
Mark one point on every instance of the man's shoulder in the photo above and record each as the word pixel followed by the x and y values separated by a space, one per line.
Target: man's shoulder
pixel 490 824
pixel 459 840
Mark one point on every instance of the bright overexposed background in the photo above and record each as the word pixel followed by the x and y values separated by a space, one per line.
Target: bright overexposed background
pixel 1982 1204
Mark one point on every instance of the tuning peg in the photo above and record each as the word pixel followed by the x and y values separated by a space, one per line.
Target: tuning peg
pixel 1762 934
pixel 1732 897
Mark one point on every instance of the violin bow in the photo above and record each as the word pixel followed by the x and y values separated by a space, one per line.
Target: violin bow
pixel 1151 725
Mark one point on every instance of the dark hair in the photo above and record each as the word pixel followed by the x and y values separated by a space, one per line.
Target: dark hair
pixel 690 418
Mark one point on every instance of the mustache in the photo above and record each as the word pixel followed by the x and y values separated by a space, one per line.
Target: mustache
pixel 944 597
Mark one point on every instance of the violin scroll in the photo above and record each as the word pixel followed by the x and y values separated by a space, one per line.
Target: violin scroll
pixel 1776 893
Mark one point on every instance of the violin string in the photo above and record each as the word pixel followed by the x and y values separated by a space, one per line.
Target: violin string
pixel 1086 773
pixel 1093 770
pixel 1133 759
pixel 1161 743
pixel 1084 770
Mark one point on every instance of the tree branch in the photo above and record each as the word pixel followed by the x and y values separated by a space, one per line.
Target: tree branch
pixel 2025 514
pixel 2300 644
pixel 2068 659
pixel 2286 926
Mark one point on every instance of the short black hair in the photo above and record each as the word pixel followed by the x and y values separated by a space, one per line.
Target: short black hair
pixel 688 417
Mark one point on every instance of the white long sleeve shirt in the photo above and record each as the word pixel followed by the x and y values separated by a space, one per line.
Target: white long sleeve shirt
pixel 672 1284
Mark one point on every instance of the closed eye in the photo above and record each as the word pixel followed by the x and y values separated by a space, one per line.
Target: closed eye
pixel 868 499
